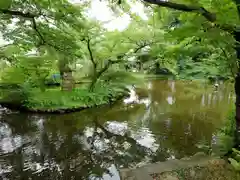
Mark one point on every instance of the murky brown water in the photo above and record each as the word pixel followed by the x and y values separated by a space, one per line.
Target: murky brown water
pixel 167 120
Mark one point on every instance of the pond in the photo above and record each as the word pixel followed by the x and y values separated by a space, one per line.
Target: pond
pixel 165 120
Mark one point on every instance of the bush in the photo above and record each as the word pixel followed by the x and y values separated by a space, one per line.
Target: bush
pixel 57 99
pixel 230 130
pixel 230 126
pixel 226 136
pixel 15 94
pixel 235 160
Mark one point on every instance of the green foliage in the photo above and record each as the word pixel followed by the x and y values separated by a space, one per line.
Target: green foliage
pixel 228 133
pixel 55 99
pixel 28 69
pixel 5 4
pixel 230 125
pixel 16 94
pixel 122 78
pixel 225 136
pixel 235 161
pixel 193 47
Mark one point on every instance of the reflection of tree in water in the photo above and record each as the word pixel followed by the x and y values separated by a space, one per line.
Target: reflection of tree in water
pixel 72 155
pixel 184 114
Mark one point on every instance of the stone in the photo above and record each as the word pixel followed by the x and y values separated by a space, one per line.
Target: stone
pixel 168 176
pixel 68 81
pixel 192 173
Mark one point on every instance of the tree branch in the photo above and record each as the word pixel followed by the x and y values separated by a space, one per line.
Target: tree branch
pixel 91 54
pixel 143 45
pixel 105 68
pixel 17 13
pixel 211 17
pixel 226 56
pixel 32 18
pixel 25 15
pixel 187 8
pixel 9 59
pixel 37 31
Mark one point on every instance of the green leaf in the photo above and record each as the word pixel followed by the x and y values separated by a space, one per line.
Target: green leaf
pixel 235 164
pixel 236 151
pixel 5 4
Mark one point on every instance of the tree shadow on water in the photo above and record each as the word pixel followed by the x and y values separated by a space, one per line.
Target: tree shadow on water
pixel 49 153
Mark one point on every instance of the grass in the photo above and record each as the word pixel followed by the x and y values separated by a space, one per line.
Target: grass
pixel 54 98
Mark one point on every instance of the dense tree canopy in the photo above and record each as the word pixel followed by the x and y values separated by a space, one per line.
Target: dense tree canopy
pixel 175 40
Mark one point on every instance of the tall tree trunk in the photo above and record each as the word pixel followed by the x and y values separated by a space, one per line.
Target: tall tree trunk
pixel 237 89
pixel 94 80
pixel 237 79
pixel 98 74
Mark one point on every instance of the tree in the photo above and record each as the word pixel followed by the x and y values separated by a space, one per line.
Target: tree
pixel 104 50
pixel 44 24
pixel 108 51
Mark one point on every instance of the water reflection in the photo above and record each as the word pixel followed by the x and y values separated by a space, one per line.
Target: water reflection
pixel 166 121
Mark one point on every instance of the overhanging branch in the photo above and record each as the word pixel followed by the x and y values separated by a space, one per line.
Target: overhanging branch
pixel 211 17
pixel 32 18
pixel 27 15
pixel 143 45
pixel 183 7
pixel 17 13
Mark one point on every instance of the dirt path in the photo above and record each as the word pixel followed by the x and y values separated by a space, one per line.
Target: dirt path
pixel 198 167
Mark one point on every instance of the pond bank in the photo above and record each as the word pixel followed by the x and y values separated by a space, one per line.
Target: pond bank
pixel 197 167
pixel 57 102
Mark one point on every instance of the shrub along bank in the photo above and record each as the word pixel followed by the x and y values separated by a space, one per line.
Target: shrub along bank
pixel 56 101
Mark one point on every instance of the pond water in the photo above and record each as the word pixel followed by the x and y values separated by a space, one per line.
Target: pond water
pixel 165 120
